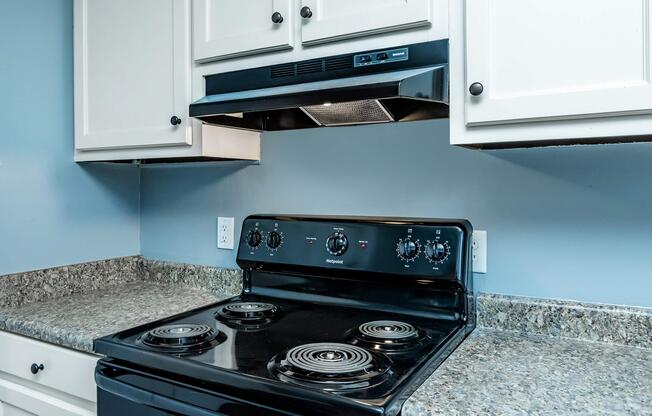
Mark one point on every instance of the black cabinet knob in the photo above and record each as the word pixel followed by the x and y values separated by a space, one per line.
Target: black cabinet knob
pixel 476 88
pixel 35 368
pixel 305 12
pixel 277 18
pixel 175 121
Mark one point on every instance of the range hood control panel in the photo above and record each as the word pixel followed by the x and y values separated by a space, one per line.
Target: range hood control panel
pixel 381 57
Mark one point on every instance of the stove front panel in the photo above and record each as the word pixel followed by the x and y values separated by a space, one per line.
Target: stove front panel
pixel 428 249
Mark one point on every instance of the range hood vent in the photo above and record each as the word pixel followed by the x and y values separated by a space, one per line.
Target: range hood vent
pixel 403 83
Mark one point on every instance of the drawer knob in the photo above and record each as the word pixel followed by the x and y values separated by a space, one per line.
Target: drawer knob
pixel 35 368
pixel 476 88
pixel 277 18
pixel 305 12
pixel 175 121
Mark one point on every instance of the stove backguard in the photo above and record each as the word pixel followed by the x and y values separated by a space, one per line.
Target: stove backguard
pixel 407 265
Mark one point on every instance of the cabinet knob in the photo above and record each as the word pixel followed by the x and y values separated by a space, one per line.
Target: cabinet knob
pixel 175 121
pixel 277 18
pixel 35 368
pixel 476 88
pixel 305 12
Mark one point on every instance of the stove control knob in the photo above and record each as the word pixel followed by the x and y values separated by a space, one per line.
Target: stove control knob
pixel 274 240
pixel 407 249
pixel 254 238
pixel 337 243
pixel 437 252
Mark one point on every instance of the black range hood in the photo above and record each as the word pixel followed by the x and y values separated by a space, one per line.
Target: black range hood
pixel 401 83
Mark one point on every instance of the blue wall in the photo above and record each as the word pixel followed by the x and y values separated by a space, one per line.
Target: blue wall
pixel 570 222
pixel 52 211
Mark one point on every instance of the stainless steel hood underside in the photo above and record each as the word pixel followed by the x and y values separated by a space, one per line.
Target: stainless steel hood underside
pixel 411 87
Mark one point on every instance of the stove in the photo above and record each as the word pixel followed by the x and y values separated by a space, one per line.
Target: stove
pixel 338 316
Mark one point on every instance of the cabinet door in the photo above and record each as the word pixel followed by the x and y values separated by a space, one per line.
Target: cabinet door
pixel 23 399
pixel 8 410
pixel 557 59
pixel 132 73
pixel 229 28
pixel 332 20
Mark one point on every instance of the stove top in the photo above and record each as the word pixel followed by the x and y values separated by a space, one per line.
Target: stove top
pixel 347 340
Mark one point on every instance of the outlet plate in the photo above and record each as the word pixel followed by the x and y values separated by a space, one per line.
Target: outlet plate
pixel 479 251
pixel 225 226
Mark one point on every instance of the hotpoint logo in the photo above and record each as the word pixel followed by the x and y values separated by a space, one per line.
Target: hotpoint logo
pixel 332 261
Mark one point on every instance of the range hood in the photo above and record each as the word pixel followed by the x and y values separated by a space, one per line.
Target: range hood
pixel 401 83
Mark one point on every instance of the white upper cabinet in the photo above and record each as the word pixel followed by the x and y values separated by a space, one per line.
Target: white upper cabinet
pixel 132 73
pixel 330 20
pixel 230 28
pixel 557 59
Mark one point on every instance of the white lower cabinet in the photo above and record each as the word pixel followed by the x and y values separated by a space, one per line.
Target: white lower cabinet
pixel 64 386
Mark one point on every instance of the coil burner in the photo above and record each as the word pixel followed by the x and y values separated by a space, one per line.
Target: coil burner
pixel 247 315
pixel 331 366
pixel 182 338
pixel 389 336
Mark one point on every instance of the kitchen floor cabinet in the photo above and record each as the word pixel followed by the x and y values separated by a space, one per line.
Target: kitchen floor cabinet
pixel 63 386
pixel 230 28
pixel 556 63
pixel 329 20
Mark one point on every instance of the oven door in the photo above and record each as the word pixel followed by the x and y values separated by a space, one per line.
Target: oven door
pixel 123 390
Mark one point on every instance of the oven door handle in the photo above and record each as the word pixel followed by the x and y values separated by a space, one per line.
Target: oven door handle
pixel 148 398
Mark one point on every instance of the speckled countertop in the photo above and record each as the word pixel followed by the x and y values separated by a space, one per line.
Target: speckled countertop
pixel 527 356
pixel 74 321
pixel 73 305
pixel 507 373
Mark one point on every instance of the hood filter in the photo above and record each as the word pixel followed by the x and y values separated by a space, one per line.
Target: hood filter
pixel 348 113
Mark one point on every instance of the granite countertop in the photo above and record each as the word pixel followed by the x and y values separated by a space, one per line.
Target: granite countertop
pixel 498 372
pixel 73 305
pixel 527 356
pixel 75 320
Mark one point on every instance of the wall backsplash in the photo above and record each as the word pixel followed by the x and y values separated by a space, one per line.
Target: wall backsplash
pixel 562 222
pixel 52 211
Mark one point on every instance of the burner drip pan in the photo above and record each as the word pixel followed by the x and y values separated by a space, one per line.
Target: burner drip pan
pixel 182 338
pixel 331 366
pixel 246 315
pixel 389 336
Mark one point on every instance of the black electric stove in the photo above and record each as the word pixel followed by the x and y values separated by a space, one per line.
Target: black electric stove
pixel 338 316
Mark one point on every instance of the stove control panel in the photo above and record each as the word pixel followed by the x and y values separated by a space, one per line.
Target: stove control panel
pixel 425 248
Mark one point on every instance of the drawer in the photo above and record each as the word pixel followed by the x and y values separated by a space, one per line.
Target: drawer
pixel 64 370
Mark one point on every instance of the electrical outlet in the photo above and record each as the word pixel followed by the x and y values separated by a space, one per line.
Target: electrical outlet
pixel 479 251
pixel 225 227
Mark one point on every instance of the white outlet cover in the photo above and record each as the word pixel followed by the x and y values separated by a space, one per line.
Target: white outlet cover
pixel 225 231
pixel 479 251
